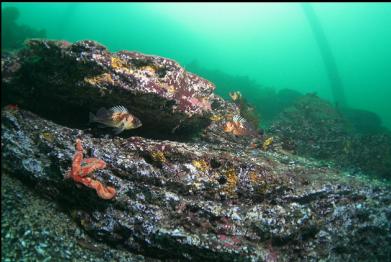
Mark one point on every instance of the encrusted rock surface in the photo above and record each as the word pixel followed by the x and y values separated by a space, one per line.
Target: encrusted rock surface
pixel 312 127
pixel 65 79
pixel 37 229
pixel 215 196
pixel 201 200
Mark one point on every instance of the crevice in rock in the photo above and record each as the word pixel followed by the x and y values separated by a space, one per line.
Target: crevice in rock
pixel 63 82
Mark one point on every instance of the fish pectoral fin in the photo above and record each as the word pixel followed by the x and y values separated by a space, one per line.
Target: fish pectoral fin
pixel 118 129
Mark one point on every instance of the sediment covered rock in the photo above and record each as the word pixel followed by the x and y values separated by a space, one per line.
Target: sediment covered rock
pixel 65 81
pixel 202 200
pixel 312 127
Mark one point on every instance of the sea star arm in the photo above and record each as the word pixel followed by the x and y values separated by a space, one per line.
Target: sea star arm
pixel 89 165
pixel 82 167
pixel 76 162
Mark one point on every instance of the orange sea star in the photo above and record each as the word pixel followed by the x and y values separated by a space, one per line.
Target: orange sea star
pixel 82 167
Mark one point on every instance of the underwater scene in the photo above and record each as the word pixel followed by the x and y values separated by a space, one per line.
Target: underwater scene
pixel 195 132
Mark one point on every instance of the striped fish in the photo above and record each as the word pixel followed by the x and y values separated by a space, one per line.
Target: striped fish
pixel 117 117
pixel 239 119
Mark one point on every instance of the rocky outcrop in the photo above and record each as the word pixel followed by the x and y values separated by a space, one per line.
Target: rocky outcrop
pixel 228 194
pixel 312 127
pixel 66 81
pixel 202 201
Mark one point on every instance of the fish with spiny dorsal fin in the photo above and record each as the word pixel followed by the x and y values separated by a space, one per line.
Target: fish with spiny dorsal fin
pixel 239 119
pixel 117 117
pixel 239 126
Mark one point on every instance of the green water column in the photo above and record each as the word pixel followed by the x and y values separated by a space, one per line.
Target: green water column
pixel 327 55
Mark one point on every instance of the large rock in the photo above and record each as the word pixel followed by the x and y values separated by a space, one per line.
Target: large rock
pixel 201 201
pixel 65 81
pixel 312 127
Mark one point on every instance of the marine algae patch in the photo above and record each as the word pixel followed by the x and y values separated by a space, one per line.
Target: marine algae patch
pixel 231 183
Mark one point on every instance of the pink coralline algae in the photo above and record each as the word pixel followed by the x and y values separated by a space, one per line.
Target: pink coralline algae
pixel 231 242
pixel 201 102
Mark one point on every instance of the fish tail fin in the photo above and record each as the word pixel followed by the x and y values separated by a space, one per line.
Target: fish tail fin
pixel 92 118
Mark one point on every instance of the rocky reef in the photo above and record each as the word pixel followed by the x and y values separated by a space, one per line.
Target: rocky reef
pixel 312 127
pixel 67 79
pixel 215 196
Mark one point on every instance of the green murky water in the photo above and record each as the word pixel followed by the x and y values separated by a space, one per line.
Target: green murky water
pixel 339 51
pixel 273 53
